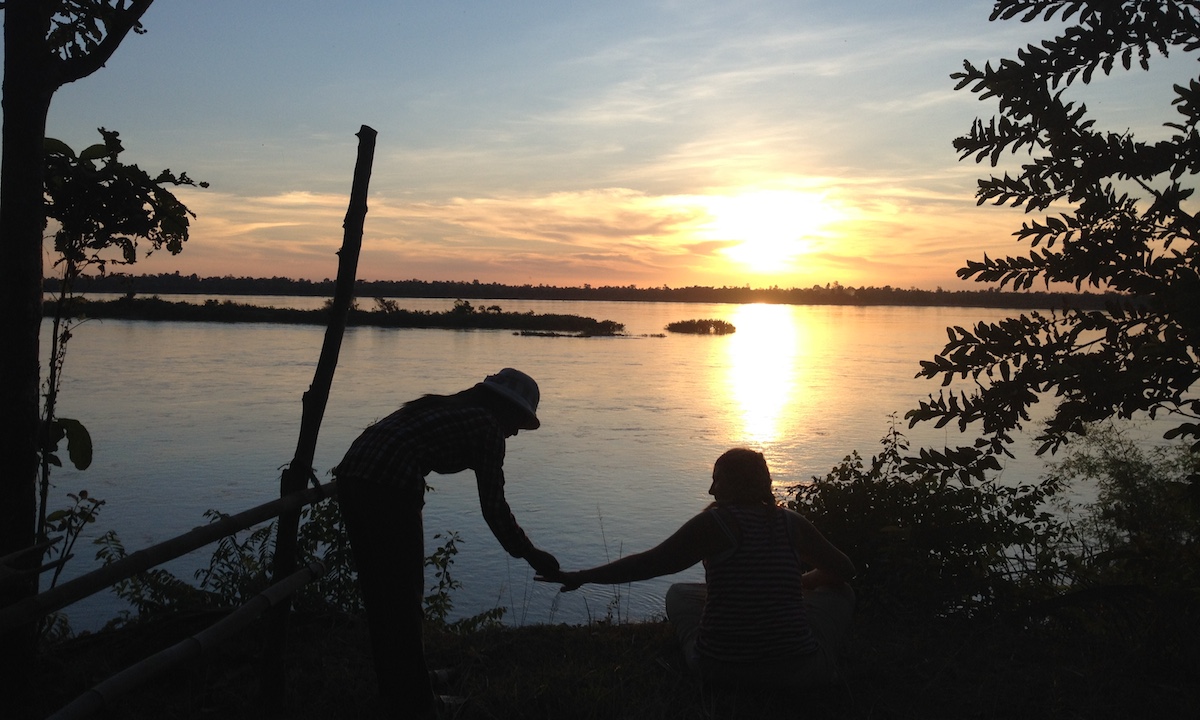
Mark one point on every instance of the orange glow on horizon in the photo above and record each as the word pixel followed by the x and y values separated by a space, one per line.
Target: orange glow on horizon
pixel 792 232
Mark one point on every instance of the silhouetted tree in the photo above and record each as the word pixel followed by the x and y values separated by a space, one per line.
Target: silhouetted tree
pixel 47 44
pixel 1115 220
pixel 105 211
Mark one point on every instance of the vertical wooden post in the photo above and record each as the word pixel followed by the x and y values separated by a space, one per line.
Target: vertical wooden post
pixel 296 475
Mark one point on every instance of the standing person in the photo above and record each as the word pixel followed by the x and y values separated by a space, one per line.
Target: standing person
pixel 381 491
pixel 775 608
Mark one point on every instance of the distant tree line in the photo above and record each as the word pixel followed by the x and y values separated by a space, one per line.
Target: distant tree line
pixel 829 294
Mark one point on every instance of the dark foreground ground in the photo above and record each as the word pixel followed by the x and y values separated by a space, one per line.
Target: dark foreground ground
pixel 1093 659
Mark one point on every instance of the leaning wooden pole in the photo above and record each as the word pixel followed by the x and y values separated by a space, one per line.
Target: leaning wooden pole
pixel 125 682
pixel 32 609
pixel 296 476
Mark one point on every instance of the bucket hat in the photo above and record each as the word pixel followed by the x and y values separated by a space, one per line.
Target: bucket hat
pixel 519 389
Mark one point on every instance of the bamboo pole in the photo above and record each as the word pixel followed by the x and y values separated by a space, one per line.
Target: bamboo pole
pixel 119 685
pixel 33 608
pixel 9 561
pixel 23 553
pixel 297 474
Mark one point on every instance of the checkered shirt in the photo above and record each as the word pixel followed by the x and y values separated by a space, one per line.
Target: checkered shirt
pixel 409 444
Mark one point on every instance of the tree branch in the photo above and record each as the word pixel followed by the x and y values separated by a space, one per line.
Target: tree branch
pixel 124 18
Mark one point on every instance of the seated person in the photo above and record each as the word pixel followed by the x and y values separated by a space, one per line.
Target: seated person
pixel 760 617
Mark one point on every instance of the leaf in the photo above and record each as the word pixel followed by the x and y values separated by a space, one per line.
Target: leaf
pixel 51 146
pixel 94 152
pixel 1183 429
pixel 79 442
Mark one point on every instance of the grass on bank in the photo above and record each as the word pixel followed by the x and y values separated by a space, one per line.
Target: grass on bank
pixel 1101 656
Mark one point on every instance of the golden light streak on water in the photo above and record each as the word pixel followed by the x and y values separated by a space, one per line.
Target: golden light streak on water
pixel 763 369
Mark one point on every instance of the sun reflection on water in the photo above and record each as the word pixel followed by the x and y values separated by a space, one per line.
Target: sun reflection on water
pixel 762 369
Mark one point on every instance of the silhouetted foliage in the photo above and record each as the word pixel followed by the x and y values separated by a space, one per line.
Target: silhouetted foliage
pixel 931 547
pixel 101 204
pixel 701 327
pixel 47 44
pixel 1116 224
pixel 240 567
pixel 387 314
pixel 103 209
pixel 1144 526
pixel 927 546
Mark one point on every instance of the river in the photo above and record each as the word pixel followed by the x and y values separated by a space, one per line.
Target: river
pixel 187 417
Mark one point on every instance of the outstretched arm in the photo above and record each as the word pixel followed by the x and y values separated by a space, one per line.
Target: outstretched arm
pixel 499 517
pixel 697 539
pixel 830 565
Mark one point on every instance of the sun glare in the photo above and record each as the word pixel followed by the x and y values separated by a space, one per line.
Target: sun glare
pixel 771 227
pixel 761 370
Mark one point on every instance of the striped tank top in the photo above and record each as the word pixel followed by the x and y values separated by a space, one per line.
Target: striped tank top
pixel 755 609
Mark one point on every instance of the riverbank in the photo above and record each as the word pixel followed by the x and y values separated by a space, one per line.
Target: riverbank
pixel 1103 656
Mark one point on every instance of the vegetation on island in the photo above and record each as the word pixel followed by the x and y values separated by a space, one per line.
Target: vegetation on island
pixel 387 313
pixel 701 327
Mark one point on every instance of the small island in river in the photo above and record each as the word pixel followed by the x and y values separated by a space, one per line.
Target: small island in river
pixel 702 327
pixel 387 313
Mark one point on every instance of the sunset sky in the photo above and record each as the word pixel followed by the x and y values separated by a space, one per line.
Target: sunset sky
pixel 649 143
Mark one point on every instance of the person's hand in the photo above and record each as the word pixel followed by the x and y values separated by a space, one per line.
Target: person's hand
pixel 569 580
pixel 542 562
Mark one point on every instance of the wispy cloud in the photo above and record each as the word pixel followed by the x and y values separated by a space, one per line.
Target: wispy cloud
pixel 598 235
pixel 564 143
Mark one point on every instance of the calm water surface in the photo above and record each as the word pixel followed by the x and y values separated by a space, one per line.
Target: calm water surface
pixel 188 417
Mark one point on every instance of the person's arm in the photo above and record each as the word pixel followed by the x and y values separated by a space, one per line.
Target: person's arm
pixel 498 514
pixel 503 524
pixel 830 565
pixel 489 480
pixel 697 539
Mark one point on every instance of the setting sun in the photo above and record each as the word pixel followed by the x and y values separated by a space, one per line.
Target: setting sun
pixel 771 227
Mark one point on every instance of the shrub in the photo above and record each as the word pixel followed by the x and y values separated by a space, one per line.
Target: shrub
pixel 240 567
pixel 926 544
pixel 1144 526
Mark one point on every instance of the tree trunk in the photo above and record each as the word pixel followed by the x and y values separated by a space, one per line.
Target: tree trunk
pixel 26 102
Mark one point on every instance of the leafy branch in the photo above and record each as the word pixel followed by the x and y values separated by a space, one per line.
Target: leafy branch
pixel 1116 218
